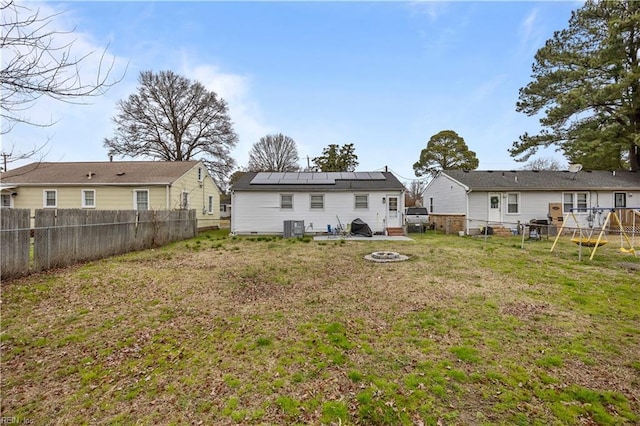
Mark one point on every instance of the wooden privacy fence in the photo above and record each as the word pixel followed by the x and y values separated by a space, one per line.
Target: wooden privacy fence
pixel 64 237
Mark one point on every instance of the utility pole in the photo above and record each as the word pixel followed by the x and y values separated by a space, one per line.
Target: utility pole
pixel 4 162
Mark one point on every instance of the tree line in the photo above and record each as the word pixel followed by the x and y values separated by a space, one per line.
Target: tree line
pixel 585 88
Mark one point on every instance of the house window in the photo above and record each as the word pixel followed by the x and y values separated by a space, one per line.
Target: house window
pixel 286 201
pixel 581 197
pixel 141 199
pixel 513 203
pixel 88 198
pixel 620 200
pixel 6 201
pixel 574 200
pixel 431 204
pixel 210 205
pixel 361 201
pixel 494 201
pixel 199 174
pixel 317 201
pixel 184 201
pixel 50 198
pixel 393 204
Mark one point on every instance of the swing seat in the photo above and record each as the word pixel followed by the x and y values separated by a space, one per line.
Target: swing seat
pixel 628 250
pixel 588 242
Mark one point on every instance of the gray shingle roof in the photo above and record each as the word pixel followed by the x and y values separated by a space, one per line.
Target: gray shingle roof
pixel 106 172
pixel 546 180
pixel 303 182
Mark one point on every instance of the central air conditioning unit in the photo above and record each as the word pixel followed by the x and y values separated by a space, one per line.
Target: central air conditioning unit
pixel 293 228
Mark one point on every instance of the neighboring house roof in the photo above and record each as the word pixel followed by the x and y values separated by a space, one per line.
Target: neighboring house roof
pixel 98 173
pixel 318 181
pixel 528 180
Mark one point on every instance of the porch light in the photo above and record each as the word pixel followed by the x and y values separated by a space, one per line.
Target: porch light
pixel 384 200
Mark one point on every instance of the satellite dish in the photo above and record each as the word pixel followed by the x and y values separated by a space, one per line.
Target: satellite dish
pixel 575 168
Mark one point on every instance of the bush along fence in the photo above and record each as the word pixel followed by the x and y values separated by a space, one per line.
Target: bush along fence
pixel 64 237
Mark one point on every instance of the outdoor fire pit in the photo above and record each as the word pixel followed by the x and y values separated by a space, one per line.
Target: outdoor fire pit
pixel 386 256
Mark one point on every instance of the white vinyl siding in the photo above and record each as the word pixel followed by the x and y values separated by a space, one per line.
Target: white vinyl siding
pixel 447 196
pixel 88 198
pixel 50 198
pixel 361 201
pixel 260 212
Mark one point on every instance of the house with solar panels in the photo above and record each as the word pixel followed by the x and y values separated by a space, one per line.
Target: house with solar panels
pixel 265 202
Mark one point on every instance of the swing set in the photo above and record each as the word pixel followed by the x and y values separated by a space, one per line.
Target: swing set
pixel 585 237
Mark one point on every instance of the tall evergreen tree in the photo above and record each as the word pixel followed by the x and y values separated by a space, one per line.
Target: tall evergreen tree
pixel 336 158
pixel 586 85
pixel 445 150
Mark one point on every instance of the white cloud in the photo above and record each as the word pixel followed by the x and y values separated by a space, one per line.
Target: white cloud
pixel 530 32
pixel 527 26
pixel 432 9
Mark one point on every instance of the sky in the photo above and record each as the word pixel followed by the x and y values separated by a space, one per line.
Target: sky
pixel 383 75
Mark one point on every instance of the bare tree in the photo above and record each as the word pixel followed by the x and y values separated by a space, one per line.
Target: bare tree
pixel 274 153
pixel 414 192
pixel 543 163
pixel 36 63
pixel 172 118
pixel 11 155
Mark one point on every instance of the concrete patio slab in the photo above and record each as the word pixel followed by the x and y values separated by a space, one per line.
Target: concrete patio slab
pixel 359 238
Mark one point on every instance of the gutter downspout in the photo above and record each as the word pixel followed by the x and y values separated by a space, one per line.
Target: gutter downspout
pixel 233 212
pixel 466 214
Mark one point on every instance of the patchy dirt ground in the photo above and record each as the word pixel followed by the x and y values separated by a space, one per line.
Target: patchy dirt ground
pixel 222 330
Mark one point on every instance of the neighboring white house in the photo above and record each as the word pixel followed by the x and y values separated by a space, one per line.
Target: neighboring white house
pixel 509 198
pixel 262 202
pixel 225 206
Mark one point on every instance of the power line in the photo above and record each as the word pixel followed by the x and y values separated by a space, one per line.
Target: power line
pixel 423 180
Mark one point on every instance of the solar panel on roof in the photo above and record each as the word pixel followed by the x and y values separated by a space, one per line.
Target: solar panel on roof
pixel 257 180
pixel 311 178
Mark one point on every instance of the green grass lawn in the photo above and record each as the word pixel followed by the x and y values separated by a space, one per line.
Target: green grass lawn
pixel 220 330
